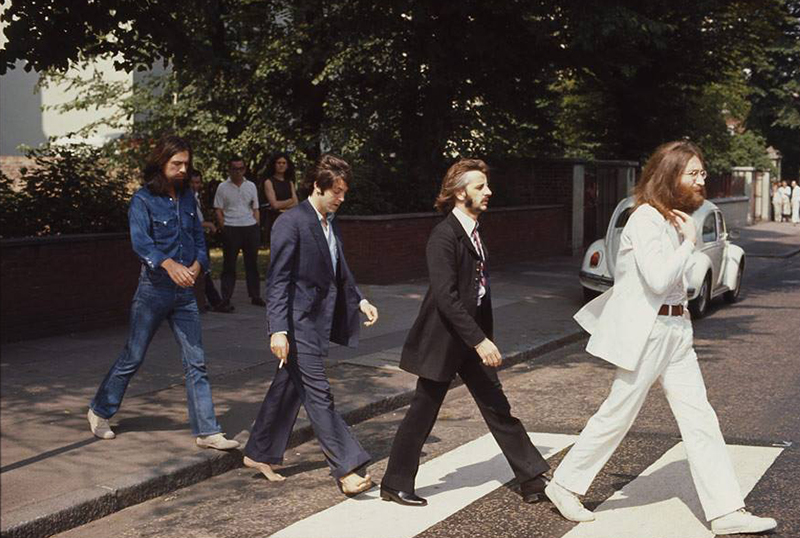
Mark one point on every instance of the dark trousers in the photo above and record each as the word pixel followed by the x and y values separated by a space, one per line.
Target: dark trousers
pixel 484 385
pixel 234 239
pixel 302 380
pixel 212 295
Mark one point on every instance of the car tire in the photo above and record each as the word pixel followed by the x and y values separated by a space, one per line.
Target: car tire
pixel 699 306
pixel 733 295
pixel 589 294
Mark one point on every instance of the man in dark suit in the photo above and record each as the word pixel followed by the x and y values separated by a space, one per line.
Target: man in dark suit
pixel 453 335
pixel 312 298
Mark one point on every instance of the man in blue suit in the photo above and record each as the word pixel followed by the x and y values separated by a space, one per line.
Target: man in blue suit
pixel 312 299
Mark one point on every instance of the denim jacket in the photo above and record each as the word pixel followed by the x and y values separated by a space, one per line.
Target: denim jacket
pixel 164 228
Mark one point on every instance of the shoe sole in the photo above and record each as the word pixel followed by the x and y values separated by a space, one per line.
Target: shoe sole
pixel 744 530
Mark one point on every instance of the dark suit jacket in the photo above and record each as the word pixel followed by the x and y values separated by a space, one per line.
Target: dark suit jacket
pixel 447 327
pixel 306 296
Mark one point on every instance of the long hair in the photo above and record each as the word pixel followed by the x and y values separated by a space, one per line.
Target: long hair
pixel 325 171
pixel 454 181
pixel 289 174
pixel 165 148
pixel 662 174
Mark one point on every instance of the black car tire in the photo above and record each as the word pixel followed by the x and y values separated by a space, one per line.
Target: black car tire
pixel 699 306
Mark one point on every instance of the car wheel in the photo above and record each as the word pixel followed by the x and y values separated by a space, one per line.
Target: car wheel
pixel 733 295
pixel 589 294
pixel 699 306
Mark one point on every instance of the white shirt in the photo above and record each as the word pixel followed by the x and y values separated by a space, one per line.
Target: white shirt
pixel 795 193
pixel 237 203
pixel 469 224
pixel 330 237
pixel 197 203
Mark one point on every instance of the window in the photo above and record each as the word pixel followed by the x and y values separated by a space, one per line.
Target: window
pixel 721 223
pixel 710 229
pixel 622 220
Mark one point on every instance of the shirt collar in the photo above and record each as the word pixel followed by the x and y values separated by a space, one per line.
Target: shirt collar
pixel 319 215
pixel 466 221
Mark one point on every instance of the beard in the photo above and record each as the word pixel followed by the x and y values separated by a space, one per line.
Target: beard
pixel 689 198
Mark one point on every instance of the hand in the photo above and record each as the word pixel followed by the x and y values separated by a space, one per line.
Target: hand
pixel 195 268
pixel 685 225
pixel 180 274
pixel 489 354
pixel 279 344
pixel 212 228
pixel 370 311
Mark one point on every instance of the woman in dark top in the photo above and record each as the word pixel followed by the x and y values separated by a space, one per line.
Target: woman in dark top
pixel 279 189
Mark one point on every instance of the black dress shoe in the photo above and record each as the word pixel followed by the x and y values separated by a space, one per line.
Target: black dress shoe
pixel 258 301
pixel 401 497
pixel 532 491
pixel 225 308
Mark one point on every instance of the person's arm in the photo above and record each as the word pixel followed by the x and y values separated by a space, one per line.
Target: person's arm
pixel 443 273
pixel 284 244
pixel 220 217
pixel 209 227
pixel 294 197
pixel 141 240
pixel 660 270
pixel 254 204
pixel 219 205
pixel 274 203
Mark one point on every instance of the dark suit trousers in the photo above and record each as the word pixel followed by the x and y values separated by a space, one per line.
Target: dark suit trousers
pixel 302 380
pixel 485 388
pixel 246 239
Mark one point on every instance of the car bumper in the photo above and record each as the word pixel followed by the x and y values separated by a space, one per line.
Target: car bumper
pixel 595 282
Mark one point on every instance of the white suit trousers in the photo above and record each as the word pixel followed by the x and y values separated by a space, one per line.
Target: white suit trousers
pixel 668 354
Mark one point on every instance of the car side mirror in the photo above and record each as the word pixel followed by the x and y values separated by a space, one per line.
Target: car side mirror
pixel 734 234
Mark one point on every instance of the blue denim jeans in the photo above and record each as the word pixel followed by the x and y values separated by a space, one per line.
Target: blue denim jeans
pixel 158 298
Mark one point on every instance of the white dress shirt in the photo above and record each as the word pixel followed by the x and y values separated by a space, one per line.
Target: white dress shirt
pixel 470 225
pixel 330 237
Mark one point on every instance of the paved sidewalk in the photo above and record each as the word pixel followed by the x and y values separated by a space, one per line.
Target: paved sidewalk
pixel 54 475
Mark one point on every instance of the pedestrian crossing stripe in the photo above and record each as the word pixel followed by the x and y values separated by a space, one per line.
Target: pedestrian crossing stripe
pixel 450 482
pixel 661 501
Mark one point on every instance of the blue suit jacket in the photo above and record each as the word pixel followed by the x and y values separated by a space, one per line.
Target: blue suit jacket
pixel 307 297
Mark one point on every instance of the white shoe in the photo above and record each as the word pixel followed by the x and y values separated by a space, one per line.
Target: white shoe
pixel 218 441
pixel 99 426
pixel 742 522
pixel 567 503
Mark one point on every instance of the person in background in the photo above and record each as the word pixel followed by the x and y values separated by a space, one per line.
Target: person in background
pixel 279 189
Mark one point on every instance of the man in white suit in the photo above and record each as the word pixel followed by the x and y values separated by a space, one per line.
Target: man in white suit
pixel 642 326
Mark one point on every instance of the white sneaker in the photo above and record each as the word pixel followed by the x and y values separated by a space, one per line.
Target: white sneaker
pixel 99 426
pixel 218 441
pixel 742 522
pixel 567 503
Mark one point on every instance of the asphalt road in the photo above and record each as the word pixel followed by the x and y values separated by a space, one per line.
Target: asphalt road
pixel 750 357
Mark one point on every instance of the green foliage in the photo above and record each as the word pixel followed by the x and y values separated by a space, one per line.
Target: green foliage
pixel 68 190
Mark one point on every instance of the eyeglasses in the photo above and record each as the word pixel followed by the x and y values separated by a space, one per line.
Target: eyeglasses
pixel 694 174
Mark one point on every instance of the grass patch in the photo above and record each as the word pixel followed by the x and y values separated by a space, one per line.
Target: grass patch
pixel 216 263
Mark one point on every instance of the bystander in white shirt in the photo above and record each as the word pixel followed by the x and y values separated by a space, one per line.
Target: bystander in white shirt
pixel 237 202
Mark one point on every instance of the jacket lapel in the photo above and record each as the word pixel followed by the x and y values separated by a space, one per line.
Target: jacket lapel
pixel 462 234
pixel 316 232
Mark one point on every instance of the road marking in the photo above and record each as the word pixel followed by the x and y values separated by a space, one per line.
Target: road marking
pixel 662 500
pixel 449 482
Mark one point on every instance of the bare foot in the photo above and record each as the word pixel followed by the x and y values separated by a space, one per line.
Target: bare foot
pixel 352 484
pixel 265 469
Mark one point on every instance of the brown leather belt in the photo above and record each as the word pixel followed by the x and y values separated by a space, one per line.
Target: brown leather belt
pixel 670 310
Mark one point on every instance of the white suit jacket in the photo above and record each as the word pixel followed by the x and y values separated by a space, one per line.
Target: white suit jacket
pixel 649 263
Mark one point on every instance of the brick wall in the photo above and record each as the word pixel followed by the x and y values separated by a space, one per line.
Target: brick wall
pixel 57 285
pixel 385 249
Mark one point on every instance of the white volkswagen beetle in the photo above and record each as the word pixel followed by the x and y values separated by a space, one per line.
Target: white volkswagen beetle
pixel 715 268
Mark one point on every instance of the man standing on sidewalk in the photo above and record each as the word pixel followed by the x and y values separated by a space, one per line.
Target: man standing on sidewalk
pixel 453 335
pixel 167 235
pixel 236 203
pixel 642 326
pixel 313 300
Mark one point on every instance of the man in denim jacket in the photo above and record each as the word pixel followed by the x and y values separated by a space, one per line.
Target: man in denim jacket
pixel 167 235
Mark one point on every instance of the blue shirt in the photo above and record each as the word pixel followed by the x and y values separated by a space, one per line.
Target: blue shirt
pixel 162 227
